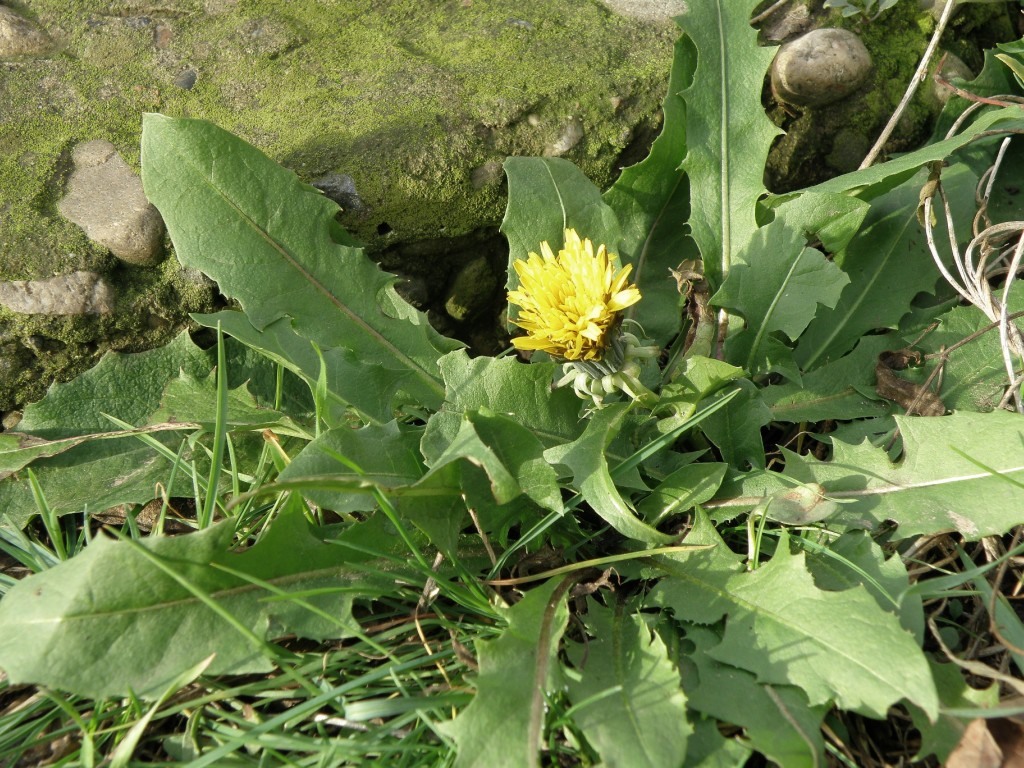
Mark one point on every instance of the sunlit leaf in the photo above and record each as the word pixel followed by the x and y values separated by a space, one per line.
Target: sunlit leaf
pixel 636 715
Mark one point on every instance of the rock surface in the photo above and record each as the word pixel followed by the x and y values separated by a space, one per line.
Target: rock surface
pixel 105 198
pixel 648 10
pixel 76 293
pixel 20 37
pixel 821 67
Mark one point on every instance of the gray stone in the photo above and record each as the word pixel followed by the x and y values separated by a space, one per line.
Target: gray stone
pixel 341 188
pixel 471 291
pixel 76 293
pixel 819 68
pixel 20 37
pixel 105 198
pixel 649 10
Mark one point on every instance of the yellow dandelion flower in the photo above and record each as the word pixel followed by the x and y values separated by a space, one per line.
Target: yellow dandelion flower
pixel 569 303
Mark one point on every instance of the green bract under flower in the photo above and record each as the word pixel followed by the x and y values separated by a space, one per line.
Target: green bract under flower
pixel 569 303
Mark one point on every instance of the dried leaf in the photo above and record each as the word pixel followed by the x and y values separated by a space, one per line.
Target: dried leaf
pixel 914 398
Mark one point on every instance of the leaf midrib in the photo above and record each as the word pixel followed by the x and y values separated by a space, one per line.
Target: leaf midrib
pixel 221 594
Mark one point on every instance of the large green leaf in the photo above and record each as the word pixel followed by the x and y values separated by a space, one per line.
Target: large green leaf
pixel 642 724
pixel 776 284
pixel 501 726
pixel 839 647
pixel 124 616
pixel 652 201
pixel 266 239
pixel 735 429
pixel 546 196
pixel 777 720
pixel 727 131
pixel 958 473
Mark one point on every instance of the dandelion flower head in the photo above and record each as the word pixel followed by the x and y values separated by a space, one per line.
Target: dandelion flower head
pixel 569 303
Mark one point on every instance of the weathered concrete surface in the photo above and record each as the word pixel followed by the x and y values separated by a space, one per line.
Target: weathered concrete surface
pixel 407 108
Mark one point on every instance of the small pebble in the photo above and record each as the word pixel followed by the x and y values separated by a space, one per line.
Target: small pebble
pixel 572 133
pixel 76 293
pixel 821 67
pixel 186 79
pixel 105 198
pixel 341 188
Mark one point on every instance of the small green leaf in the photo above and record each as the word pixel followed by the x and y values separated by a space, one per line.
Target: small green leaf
pixel 128 386
pixel 941 736
pixel 682 490
pixel 708 748
pixel 835 390
pixel 547 195
pixel 636 716
pixel 736 429
pixel 191 399
pixel 501 725
pixel 504 386
pixel 776 285
pixel 386 457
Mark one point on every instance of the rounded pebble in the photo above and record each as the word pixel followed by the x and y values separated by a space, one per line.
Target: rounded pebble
pixel 572 133
pixel 821 67
pixel 105 198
